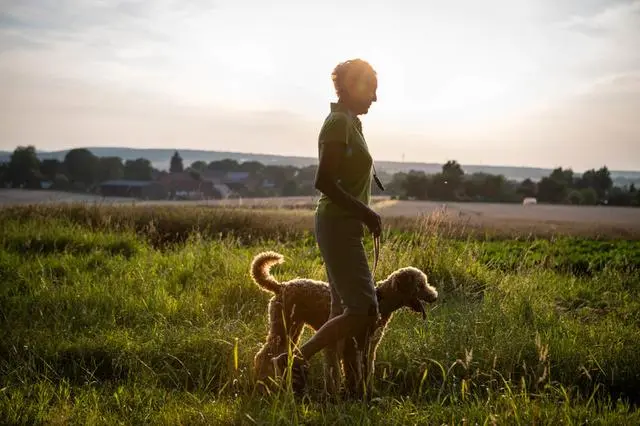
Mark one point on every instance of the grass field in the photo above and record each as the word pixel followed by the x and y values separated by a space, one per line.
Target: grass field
pixel 147 315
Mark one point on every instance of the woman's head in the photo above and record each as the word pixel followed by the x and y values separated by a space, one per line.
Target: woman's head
pixel 356 85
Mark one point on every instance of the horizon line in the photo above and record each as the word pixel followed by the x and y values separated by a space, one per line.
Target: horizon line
pixel 39 151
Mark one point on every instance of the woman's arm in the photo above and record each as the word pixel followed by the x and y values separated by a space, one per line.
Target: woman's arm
pixel 331 154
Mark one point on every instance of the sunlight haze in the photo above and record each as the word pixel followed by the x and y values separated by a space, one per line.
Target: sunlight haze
pixel 519 82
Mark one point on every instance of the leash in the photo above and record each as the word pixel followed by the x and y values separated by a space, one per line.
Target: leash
pixel 376 255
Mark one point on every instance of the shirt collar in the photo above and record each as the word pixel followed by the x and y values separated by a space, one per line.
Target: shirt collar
pixel 338 107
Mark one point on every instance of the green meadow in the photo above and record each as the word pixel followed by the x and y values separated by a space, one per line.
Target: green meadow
pixel 142 315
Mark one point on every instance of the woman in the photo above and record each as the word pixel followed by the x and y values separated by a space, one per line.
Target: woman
pixel 344 179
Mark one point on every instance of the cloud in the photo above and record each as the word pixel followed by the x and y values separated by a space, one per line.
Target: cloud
pixel 79 114
pixel 526 71
pixel 610 38
pixel 626 84
pixel 611 20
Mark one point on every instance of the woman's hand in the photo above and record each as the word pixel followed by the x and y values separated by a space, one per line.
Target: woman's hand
pixel 373 222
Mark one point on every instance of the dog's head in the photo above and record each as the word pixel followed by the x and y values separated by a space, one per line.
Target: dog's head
pixel 409 287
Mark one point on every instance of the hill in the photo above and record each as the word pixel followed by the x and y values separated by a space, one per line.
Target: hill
pixel 160 160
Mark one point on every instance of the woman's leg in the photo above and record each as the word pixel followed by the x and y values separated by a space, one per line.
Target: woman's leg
pixel 341 327
pixel 340 242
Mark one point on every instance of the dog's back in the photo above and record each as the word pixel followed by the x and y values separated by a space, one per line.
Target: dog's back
pixel 306 301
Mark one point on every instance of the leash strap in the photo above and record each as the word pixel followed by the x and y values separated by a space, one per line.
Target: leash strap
pixel 376 254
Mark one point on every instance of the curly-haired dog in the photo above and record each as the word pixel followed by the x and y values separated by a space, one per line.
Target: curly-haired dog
pixel 303 301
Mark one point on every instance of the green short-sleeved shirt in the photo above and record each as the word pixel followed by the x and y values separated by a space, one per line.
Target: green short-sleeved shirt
pixel 355 172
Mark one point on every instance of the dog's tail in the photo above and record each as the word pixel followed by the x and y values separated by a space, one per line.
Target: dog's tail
pixel 260 267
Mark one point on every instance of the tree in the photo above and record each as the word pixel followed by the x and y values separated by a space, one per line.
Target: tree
pixel 527 188
pixel 603 182
pixel 494 187
pixel 4 174
pixel 278 175
pixel 551 191
pixel 396 186
pixel 226 165
pixel 290 188
pixel 198 166
pixel 61 182
pixel 416 185
pixel 619 197
pixel 306 178
pixel 24 167
pixel 82 167
pixel 138 169
pixel 110 168
pixel 574 197
pixel 562 176
pixel 50 167
pixel 599 180
pixel 452 172
pixel 589 196
pixel 176 163
pixel 634 195
pixel 252 167
pixel 195 174
pixel 555 187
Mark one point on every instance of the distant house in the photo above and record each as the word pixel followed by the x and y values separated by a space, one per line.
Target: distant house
pixel 216 177
pixel 237 182
pixel 185 185
pixel 235 177
pixel 144 189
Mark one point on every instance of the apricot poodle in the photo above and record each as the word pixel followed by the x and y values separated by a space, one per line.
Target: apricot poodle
pixel 304 302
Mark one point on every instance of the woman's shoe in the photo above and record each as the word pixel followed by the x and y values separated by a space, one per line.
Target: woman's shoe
pixel 298 370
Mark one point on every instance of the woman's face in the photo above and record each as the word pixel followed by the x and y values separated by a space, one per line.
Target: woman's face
pixel 362 93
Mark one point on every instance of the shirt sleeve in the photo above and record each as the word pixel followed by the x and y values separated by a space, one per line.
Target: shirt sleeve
pixel 334 129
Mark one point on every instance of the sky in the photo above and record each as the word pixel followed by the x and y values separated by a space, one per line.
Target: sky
pixel 547 83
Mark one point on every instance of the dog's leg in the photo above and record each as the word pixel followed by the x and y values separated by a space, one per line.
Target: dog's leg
pixel 332 371
pixel 275 343
pixel 363 359
pixel 368 362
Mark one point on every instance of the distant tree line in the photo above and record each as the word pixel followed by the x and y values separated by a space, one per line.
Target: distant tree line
pixel 562 186
pixel 82 170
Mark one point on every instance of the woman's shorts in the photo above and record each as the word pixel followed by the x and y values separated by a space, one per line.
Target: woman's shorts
pixel 340 240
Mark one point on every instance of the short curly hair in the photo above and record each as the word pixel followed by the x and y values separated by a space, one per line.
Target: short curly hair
pixel 346 71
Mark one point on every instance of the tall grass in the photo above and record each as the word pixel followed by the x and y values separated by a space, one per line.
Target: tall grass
pixel 101 324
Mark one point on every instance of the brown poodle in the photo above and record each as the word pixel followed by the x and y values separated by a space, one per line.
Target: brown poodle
pixel 303 301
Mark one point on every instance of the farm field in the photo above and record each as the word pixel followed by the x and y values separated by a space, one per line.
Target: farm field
pixel 114 314
pixel 553 218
